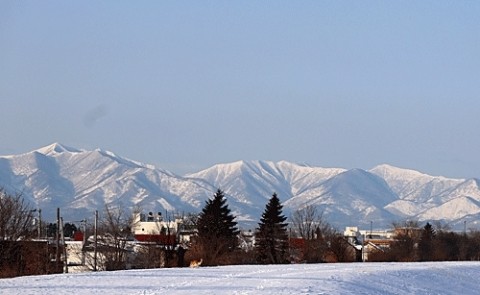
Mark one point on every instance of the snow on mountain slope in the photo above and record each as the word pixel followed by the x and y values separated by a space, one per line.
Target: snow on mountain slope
pixel 81 181
pixel 56 148
pixel 469 187
pixel 457 209
pixel 424 197
pixel 356 196
pixel 413 185
pixel 251 183
pixel 243 179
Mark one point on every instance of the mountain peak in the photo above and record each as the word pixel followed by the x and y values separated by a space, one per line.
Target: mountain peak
pixel 390 168
pixel 388 171
pixel 56 148
pixel 81 180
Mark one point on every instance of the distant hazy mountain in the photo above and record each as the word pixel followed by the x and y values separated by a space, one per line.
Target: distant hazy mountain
pixel 80 181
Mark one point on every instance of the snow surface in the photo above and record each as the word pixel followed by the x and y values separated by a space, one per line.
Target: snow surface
pixel 346 278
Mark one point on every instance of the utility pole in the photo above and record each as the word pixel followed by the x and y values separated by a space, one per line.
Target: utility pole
pixel 363 248
pixel 371 228
pixel 84 240
pixel 39 223
pixel 57 237
pixel 95 241
pixel 65 262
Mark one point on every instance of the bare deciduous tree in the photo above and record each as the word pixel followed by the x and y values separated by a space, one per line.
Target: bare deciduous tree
pixel 306 221
pixel 309 225
pixel 339 247
pixel 16 218
pixel 114 230
pixel 16 228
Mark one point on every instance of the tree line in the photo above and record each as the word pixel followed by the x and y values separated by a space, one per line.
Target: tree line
pixel 432 242
pixel 309 238
pixel 306 238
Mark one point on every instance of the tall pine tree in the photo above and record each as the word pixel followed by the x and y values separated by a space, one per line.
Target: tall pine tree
pixel 271 238
pixel 426 243
pixel 217 230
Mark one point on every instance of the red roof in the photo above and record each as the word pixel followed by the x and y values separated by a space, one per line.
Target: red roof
pixel 78 236
pixel 160 239
pixel 297 243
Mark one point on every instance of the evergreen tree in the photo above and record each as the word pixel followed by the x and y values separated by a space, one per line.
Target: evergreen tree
pixel 426 245
pixel 271 239
pixel 217 230
pixel 69 229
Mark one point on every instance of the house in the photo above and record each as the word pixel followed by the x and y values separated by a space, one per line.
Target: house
pixel 161 238
pixel 369 241
pixel 155 242
pixel 154 228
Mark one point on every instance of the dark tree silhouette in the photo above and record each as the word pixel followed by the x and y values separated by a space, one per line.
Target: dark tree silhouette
pixel 69 229
pixel 426 243
pixel 217 230
pixel 271 238
pixel 448 246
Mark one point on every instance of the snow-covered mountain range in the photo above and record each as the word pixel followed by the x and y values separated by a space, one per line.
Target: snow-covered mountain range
pixel 80 181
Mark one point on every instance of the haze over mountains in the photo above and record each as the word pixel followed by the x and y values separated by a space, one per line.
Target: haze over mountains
pixel 80 181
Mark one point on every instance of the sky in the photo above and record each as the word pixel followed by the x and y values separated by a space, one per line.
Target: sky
pixel 185 85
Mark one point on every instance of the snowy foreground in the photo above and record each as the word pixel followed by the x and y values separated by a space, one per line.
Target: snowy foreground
pixel 348 278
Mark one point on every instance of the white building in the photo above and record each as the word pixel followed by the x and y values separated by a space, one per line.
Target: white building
pixel 156 226
pixel 368 241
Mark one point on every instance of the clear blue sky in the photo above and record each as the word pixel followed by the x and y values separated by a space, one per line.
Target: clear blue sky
pixel 187 84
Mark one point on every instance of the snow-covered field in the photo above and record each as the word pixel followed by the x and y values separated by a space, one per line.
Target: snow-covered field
pixel 349 278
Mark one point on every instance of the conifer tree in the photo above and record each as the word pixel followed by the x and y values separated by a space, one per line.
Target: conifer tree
pixel 217 229
pixel 271 239
pixel 426 243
